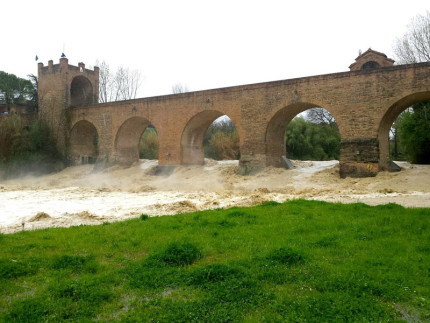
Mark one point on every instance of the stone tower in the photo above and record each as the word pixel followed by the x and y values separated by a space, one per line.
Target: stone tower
pixel 62 87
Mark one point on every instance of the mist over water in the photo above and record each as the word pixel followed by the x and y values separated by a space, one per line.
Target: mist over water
pixel 77 195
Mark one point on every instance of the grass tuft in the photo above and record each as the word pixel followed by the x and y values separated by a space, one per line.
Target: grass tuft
pixel 144 217
pixel 286 256
pixel 214 273
pixel 180 254
pixel 74 263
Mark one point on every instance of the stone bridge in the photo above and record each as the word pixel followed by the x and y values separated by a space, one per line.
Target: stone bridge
pixel 364 101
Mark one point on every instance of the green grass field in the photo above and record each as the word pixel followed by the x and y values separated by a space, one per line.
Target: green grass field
pixel 300 261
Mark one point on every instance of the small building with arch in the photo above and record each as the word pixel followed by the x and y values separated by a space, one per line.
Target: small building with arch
pixel 371 59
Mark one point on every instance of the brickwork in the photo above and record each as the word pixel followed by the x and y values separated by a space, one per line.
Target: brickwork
pixel 55 83
pixel 363 102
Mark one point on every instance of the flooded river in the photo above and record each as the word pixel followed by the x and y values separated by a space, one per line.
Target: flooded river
pixel 77 195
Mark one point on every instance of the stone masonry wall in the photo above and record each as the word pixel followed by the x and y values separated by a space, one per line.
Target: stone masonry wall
pixel 358 100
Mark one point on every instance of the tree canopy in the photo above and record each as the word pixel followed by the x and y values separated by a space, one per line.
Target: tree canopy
pixel 307 140
pixel 414 133
pixel 15 90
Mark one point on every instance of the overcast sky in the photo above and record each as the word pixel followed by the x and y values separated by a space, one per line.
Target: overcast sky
pixel 201 44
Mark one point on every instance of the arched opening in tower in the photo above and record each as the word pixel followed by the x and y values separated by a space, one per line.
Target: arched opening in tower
pixel 302 132
pixel 404 132
pixel 83 143
pixel 81 92
pixel 209 134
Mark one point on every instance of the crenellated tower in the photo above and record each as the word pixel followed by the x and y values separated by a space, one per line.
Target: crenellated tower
pixel 62 87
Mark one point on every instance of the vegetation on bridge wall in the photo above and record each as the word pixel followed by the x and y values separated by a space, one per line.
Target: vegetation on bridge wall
pixel 25 150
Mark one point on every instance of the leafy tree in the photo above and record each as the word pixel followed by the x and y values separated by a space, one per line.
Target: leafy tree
pixel 14 90
pixel 310 141
pixel 413 126
pixel 34 97
pixel 414 133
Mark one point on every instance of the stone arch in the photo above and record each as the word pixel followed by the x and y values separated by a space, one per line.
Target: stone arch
pixel 84 143
pixel 387 120
pixel 81 92
pixel 275 132
pixel 192 152
pixel 128 138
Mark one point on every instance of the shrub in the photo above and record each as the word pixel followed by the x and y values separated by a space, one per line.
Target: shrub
pixel 24 150
pixel 223 146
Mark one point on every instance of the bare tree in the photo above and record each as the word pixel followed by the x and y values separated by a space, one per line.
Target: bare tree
pixel 123 85
pixel 320 116
pixel 179 88
pixel 414 46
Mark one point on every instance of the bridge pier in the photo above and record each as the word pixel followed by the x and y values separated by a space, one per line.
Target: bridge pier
pixel 359 157
pixel 252 157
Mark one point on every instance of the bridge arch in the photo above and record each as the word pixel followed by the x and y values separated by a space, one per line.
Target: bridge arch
pixel 192 151
pixel 275 139
pixel 387 120
pixel 84 142
pixel 81 91
pixel 127 139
